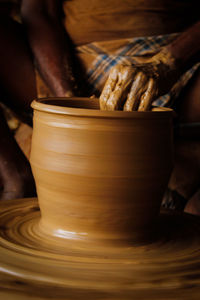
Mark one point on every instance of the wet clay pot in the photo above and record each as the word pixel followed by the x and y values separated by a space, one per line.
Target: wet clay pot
pixel 100 175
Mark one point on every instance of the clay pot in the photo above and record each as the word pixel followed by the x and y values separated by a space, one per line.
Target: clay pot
pixel 100 175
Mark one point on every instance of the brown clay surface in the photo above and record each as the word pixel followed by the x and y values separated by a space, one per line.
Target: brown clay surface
pixel 35 266
pixel 100 177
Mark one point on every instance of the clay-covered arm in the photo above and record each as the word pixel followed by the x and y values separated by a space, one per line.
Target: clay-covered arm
pixel 186 48
pixel 136 86
pixel 50 45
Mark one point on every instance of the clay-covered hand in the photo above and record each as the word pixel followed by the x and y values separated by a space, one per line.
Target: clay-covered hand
pixel 135 87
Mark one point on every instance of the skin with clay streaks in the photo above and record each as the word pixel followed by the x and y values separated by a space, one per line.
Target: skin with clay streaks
pixel 148 96
pixel 137 89
pixel 116 88
pixel 134 87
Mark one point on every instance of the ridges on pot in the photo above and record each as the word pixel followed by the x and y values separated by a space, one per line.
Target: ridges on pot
pixel 100 175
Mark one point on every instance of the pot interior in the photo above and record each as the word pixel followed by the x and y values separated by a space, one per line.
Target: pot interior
pixel 84 103
pixel 62 104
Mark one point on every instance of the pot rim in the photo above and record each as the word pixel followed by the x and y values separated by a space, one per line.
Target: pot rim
pixel 44 105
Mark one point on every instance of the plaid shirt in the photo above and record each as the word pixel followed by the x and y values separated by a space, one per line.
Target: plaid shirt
pixel 135 47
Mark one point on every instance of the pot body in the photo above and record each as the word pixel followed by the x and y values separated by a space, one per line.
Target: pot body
pixel 99 175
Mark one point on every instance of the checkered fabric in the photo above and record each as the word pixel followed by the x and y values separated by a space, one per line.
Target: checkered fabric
pixel 135 47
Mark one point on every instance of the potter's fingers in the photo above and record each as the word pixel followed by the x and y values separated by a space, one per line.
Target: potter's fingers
pixel 149 96
pixel 109 87
pixel 137 89
pixel 119 94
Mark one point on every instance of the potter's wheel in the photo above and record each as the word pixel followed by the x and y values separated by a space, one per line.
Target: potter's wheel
pixel 36 266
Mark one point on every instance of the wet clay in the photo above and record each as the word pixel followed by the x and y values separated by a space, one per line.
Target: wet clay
pixel 132 87
pixel 95 231
pixel 38 266
pixel 99 175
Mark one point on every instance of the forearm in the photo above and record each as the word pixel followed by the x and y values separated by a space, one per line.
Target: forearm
pixel 52 53
pixel 186 48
